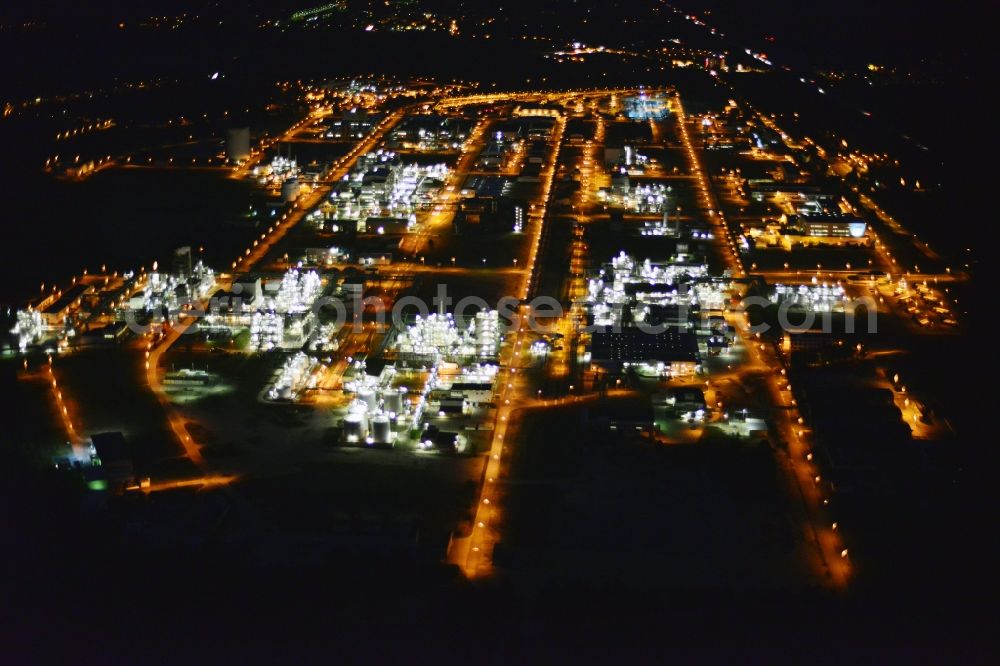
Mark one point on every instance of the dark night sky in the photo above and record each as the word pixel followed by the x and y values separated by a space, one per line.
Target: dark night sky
pixel 897 29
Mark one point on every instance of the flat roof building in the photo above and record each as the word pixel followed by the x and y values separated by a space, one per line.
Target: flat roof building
pixel 829 226
pixel 670 351
pixel 117 464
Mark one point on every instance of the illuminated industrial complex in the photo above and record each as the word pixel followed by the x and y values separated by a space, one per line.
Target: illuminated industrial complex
pixel 623 327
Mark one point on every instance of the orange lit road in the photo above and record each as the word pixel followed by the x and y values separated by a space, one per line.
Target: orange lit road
pixel 707 202
pixel 801 467
pixel 475 553
pixel 153 355
pixel 829 548
pixel 61 407
pixel 793 276
pixel 411 268
pixel 200 482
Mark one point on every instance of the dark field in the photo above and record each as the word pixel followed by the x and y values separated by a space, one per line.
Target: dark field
pixel 582 504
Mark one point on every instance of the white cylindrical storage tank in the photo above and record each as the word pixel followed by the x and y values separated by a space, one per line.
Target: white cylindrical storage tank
pixel 381 432
pixel 392 401
pixel 355 427
pixel 368 397
pixel 290 190
pixel 237 143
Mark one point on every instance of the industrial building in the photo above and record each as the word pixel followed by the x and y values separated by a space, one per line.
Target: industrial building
pixel 350 125
pixel 816 228
pixel 435 368
pixel 438 336
pixel 670 352
pixel 113 463
pixel 646 107
pixel 160 295
pixel 278 313
pixel 645 198
pixel 627 286
pixel 381 185
pixel 430 133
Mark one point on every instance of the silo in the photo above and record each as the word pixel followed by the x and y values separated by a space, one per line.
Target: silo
pixel 290 190
pixel 355 427
pixel 238 144
pixel 368 397
pixel 392 401
pixel 381 432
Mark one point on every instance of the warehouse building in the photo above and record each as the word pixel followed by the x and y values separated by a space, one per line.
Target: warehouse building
pixel 671 352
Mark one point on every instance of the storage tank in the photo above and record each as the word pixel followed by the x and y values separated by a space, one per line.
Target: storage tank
pixel 355 427
pixel 237 144
pixel 392 401
pixel 381 432
pixel 290 190
pixel 368 397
